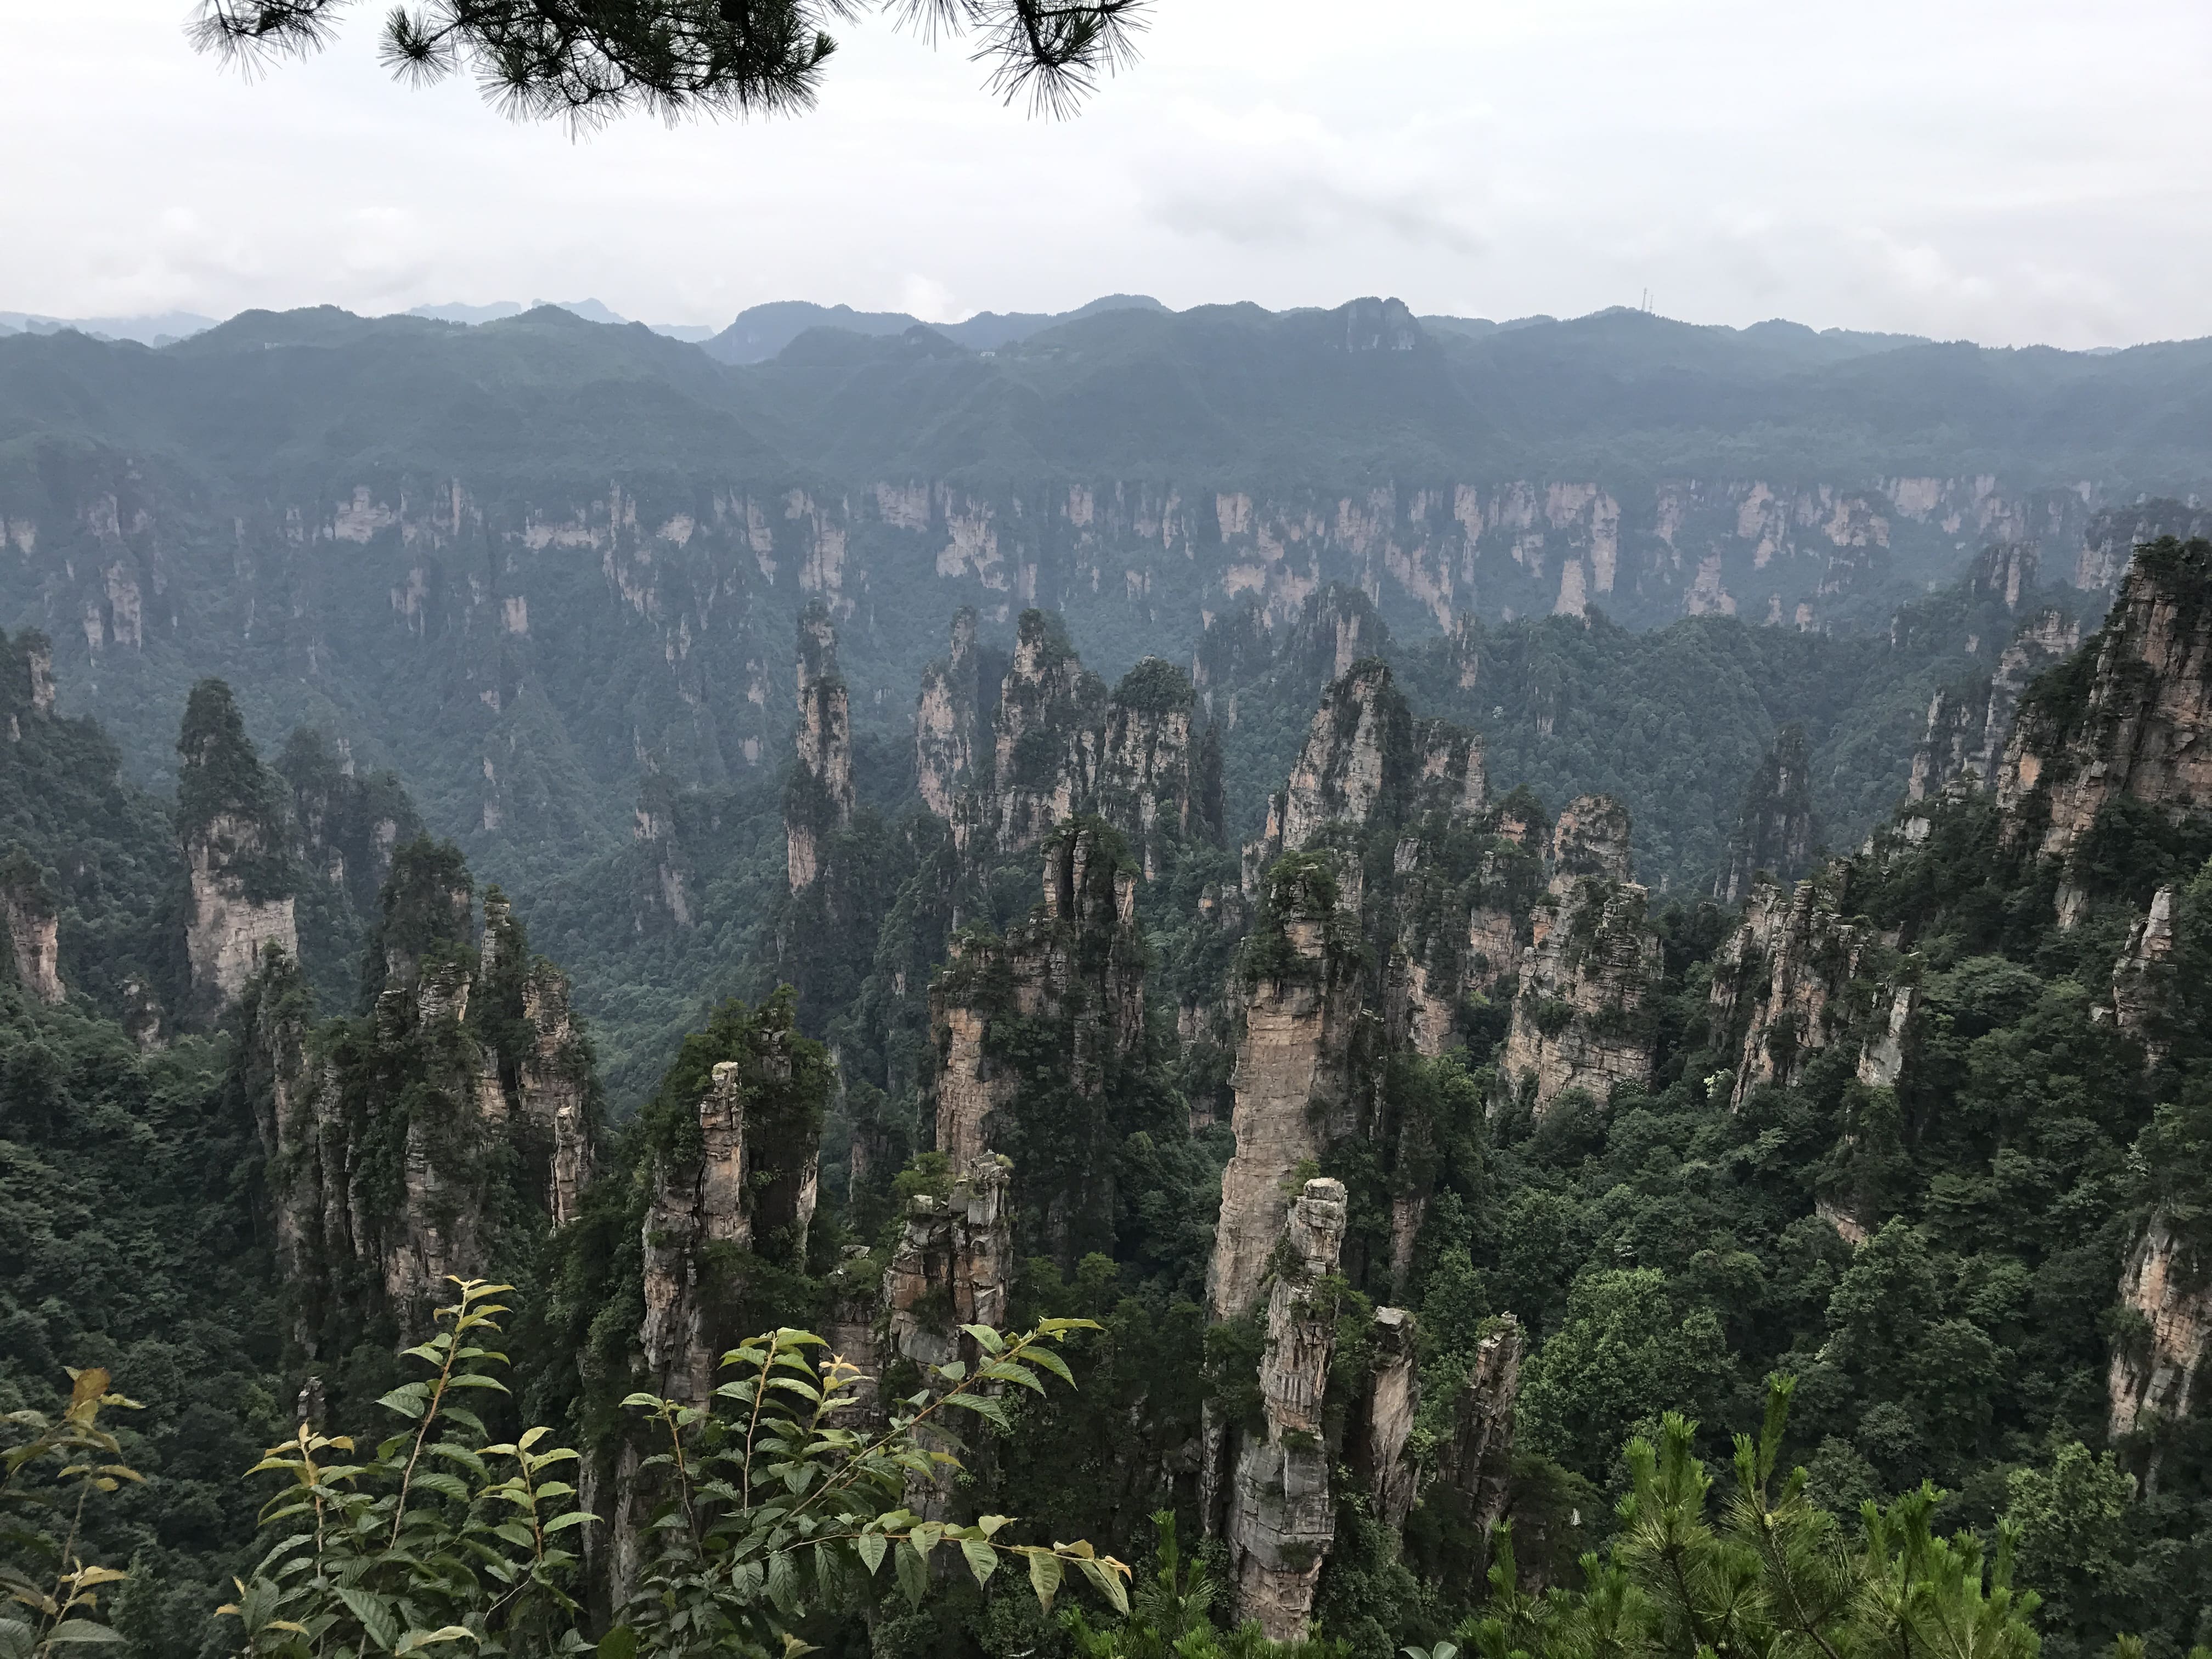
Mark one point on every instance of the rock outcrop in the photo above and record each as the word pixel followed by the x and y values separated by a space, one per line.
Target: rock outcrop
pixel 1005 759
pixel 817 802
pixel 1293 1078
pixel 238 861
pixel 2140 977
pixel 31 915
pixel 472 1078
pixel 1072 973
pixel 2154 1369
pixel 1775 831
pixel 1799 974
pixel 1580 1015
pixel 1968 725
pixel 1282 1518
pixel 2128 719
pixel 699 1201
pixel 948 721
pixel 1385 1428
pixel 954 1264
pixel 1475 1464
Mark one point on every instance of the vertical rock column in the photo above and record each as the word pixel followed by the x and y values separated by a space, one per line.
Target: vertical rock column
pixel 818 802
pixel 231 825
pixel 1281 1516
pixel 32 921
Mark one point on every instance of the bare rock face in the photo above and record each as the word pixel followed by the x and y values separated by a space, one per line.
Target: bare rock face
pixel 2128 719
pixel 1774 830
pixel 1341 773
pixel 2139 988
pixel 1282 1519
pixel 231 822
pixel 2167 1285
pixel 818 802
pixel 553 1083
pixel 947 720
pixel 1146 786
pixel 1386 1423
pixel 697 1202
pixel 1076 966
pixel 1591 839
pixel 1968 725
pixel 1292 1081
pixel 32 920
pixel 953 1266
pixel 1797 977
pixel 480 1131
pixel 667 891
pixel 2110 537
pixel 1474 1467
pixel 1579 1015
pixel 1453 775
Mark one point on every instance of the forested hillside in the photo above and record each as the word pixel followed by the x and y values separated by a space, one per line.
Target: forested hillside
pixel 539 566
pixel 1443 1193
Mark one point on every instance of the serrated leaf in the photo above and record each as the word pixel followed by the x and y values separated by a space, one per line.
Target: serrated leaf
pixel 783 1581
pixel 1108 1583
pixel 408 1401
pixel 377 1620
pixel 912 1575
pixel 80 1630
pixel 986 1339
pixel 871 1546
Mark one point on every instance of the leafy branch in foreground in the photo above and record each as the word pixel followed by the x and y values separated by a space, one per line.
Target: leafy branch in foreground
pixel 769 1509
pixel 588 60
pixel 772 1510
pixel 53 1592
pixel 440 1536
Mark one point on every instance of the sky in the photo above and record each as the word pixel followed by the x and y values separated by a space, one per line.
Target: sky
pixel 2012 172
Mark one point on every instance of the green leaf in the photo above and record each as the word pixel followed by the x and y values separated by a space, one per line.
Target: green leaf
pixel 423 1638
pixel 80 1630
pixel 1044 1577
pixel 912 1575
pixel 1109 1583
pixel 986 1339
pixel 982 1559
pixel 783 1581
pixel 408 1400
pixel 955 1372
pixel 374 1612
pixel 1053 1362
pixel 870 1546
pixel 620 1643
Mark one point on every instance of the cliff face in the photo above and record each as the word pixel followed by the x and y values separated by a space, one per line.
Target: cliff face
pixel 1797 977
pixel 2127 720
pixel 699 1201
pixel 2154 1371
pixel 1474 1466
pixel 818 799
pixel 947 720
pixel 1282 1518
pixel 1775 831
pixel 403 1155
pixel 1293 1080
pixel 1360 736
pixel 28 911
pixel 1004 759
pixel 237 860
pixel 1579 1015
pixel 953 1266
pixel 2140 977
pixel 1968 725
pixel 1049 1017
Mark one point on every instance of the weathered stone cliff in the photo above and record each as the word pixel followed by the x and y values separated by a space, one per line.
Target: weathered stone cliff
pixel 237 859
pixel 29 912
pixel 2140 986
pixel 1775 831
pixel 1052 1015
pixel 953 1265
pixel 1293 1080
pixel 1281 1517
pixel 2153 1370
pixel 2128 720
pixel 1580 1015
pixel 817 802
pixel 948 721
pixel 406 1153
pixel 1968 725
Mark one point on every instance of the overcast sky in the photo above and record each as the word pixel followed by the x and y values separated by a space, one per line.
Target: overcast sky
pixel 2009 171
